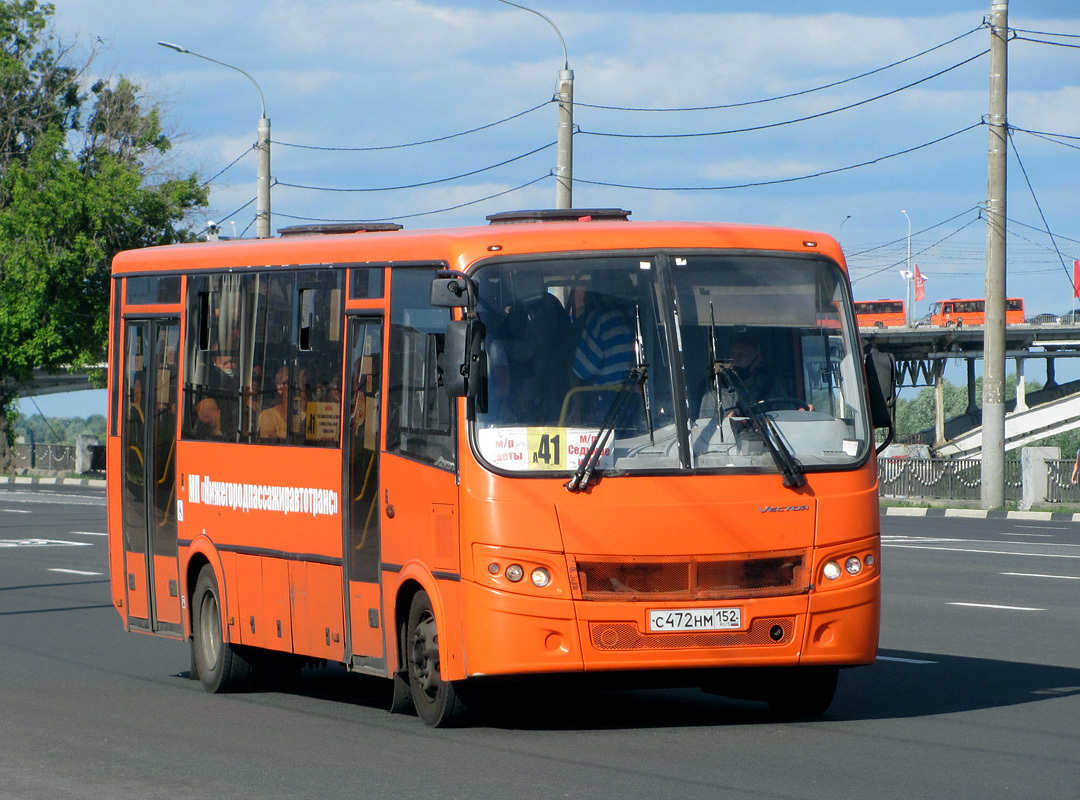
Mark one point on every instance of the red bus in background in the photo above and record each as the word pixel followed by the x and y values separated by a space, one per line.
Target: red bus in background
pixel 880 313
pixel 947 313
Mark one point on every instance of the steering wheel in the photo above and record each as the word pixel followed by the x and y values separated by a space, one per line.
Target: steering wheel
pixel 779 403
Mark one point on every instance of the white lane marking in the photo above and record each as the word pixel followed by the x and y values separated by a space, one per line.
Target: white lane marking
pixel 74 571
pixel 1003 608
pixel 905 660
pixel 1037 575
pixel 902 540
pixel 15 511
pixel 40 543
pixel 1043 535
pixel 88 533
pixel 984 552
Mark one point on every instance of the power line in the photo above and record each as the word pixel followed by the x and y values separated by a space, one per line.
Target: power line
pixel 418 185
pixel 1047 33
pixel 415 144
pixel 920 252
pixel 755 128
pixel 916 233
pixel 427 213
pixel 1041 41
pixel 778 180
pixel 1038 205
pixel 792 94
pixel 230 166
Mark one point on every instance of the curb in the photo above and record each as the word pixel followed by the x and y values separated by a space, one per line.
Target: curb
pixel 96 483
pixel 974 513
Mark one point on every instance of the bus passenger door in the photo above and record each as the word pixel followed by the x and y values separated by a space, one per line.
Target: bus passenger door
pixel 363 549
pixel 148 504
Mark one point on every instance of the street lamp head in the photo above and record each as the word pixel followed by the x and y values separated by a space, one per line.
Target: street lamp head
pixel 175 47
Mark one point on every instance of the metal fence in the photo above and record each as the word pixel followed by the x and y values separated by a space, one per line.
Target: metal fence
pixel 942 478
pixel 55 457
pixel 1059 489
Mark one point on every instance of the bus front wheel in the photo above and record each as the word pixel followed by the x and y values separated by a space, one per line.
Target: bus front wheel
pixel 221 666
pixel 438 703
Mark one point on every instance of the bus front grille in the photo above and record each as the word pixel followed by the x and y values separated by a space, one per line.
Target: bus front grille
pixel 772 573
pixel 627 636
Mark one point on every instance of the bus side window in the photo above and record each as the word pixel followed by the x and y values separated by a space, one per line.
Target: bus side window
pixel 420 413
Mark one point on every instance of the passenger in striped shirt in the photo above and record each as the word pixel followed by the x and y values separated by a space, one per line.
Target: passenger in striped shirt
pixel 605 350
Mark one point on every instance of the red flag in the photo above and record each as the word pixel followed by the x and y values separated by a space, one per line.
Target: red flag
pixel 920 289
pixel 1076 279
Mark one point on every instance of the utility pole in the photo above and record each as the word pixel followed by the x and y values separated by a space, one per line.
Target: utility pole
pixel 564 164
pixel 993 410
pixel 262 145
pixel 564 158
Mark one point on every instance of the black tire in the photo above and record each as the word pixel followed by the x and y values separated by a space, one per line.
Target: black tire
pixel 221 666
pixel 438 703
pixel 803 692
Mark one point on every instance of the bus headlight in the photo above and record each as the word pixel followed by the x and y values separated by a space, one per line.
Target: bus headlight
pixel 540 577
pixel 853 565
pixel 514 573
pixel 832 570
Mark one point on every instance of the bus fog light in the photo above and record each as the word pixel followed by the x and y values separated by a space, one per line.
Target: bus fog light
pixel 832 570
pixel 541 577
pixel 853 566
pixel 493 568
pixel 514 573
pixel 869 561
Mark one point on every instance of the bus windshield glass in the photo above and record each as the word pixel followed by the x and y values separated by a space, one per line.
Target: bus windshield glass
pixel 698 362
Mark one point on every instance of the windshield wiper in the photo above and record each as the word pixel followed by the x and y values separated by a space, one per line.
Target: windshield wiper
pixel 634 378
pixel 763 425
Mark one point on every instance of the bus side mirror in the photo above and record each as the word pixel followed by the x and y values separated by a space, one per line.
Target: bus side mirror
pixel 881 384
pixel 463 372
pixel 455 292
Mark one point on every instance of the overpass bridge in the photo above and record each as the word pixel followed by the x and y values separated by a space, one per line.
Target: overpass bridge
pixel 921 353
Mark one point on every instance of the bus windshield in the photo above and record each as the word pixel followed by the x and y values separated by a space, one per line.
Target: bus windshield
pixel 695 362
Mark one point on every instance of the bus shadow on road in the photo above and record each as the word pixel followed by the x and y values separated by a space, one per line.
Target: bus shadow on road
pixel 900 685
pixel 908 684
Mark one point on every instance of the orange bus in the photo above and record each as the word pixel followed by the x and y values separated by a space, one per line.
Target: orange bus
pixel 947 313
pixel 880 313
pixel 448 457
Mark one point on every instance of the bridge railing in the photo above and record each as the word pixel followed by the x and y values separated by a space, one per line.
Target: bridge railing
pixel 942 478
pixel 1059 489
pixel 57 458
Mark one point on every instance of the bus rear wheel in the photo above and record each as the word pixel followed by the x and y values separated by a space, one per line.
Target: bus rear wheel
pixel 438 703
pixel 803 692
pixel 221 666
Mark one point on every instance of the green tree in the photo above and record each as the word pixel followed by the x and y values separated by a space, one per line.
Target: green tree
pixel 82 177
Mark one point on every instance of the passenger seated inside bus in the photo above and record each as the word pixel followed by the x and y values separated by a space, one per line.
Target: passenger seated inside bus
pixel 273 421
pixel 604 351
pixel 216 410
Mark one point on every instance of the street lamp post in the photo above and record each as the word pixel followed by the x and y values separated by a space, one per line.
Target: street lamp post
pixel 840 233
pixel 564 163
pixel 908 275
pixel 262 145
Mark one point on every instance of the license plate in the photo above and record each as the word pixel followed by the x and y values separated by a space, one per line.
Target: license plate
pixel 695 619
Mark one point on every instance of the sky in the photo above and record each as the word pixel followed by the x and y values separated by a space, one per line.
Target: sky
pixel 347 83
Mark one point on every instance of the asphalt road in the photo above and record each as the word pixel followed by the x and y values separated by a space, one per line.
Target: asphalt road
pixel 976 694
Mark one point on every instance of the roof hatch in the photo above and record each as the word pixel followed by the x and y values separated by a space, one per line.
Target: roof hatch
pixel 559 215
